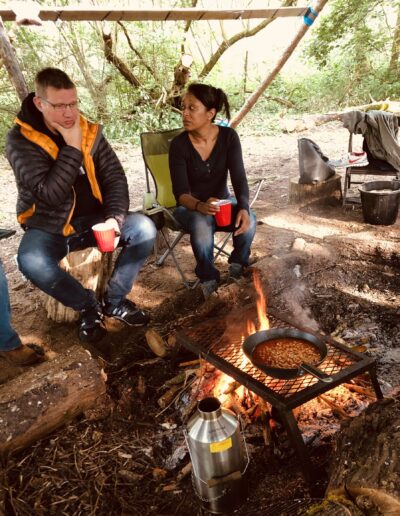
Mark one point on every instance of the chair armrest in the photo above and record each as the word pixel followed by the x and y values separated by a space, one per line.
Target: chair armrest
pixel 167 212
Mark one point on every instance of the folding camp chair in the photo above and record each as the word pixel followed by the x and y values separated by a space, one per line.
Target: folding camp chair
pixel 369 170
pixel 155 147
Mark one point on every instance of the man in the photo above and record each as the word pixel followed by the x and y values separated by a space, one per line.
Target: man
pixel 69 179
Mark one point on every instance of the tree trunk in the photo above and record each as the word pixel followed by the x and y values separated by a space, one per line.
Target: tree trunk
pixel 10 61
pixel 271 76
pixel 47 396
pixel 395 52
pixel 117 62
pixel 92 269
pixel 304 194
pixel 366 464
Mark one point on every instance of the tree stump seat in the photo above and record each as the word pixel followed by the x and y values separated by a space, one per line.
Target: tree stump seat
pixel 306 193
pixel 92 269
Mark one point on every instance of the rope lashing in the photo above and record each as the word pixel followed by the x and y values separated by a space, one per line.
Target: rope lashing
pixel 309 16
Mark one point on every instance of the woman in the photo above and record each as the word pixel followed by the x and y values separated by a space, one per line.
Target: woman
pixel 199 160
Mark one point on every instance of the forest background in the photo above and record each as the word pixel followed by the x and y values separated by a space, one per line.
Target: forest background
pixel 128 72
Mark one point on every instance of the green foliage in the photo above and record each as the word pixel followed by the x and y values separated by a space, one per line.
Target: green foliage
pixel 346 63
pixel 352 48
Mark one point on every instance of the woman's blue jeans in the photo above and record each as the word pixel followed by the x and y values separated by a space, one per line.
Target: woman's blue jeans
pixel 39 255
pixel 202 228
pixel 9 338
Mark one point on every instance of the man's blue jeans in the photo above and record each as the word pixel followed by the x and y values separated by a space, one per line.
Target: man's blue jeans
pixel 39 255
pixel 9 338
pixel 202 228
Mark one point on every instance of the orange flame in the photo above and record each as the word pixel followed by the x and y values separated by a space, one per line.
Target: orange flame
pixel 224 380
pixel 263 322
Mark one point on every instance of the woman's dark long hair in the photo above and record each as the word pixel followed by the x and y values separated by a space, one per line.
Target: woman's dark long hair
pixel 212 98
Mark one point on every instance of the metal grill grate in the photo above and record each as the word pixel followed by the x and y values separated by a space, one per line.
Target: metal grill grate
pixel 220 343
pixel 224 350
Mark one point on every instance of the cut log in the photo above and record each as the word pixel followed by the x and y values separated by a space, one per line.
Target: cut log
pixel 366 463
pixel 305 194
pixel 92 269
pixel 48 396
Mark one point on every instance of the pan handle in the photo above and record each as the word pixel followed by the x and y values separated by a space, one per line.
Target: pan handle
pixel 314 371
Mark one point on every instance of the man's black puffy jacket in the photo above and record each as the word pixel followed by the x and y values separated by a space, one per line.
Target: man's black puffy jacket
pixel 45 177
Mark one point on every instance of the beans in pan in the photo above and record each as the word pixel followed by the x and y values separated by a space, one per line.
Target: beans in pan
pixel 286 353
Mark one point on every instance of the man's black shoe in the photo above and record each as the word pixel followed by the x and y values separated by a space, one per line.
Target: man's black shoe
pixel 91 326
pixel 127 312
pixel 235 271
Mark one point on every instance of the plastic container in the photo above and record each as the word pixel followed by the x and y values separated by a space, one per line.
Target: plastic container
pixel 105 237
pixel 380 202
pixel 224 215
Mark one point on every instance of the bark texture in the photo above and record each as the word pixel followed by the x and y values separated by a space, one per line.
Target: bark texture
pixel 10 61
pixel 47 396
pixel 301 193
pixel 366 465
pixel 92 269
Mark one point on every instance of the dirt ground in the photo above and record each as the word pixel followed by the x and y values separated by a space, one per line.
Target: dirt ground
pixel 321 265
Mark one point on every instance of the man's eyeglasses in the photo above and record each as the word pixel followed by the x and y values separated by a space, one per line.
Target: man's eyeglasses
pixel 61 107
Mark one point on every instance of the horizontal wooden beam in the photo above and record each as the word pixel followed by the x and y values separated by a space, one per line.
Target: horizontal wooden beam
pixel 111 14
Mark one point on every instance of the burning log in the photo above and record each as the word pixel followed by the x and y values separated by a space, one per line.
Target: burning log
pixel 366 465
pixel 361 390
pixel 335 408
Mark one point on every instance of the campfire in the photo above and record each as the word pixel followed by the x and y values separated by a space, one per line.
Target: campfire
pixel 273 403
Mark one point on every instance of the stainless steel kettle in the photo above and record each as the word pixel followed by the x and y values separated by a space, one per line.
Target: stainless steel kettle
pixel 217 451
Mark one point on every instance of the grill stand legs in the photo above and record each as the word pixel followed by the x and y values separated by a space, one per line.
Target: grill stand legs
pixel 374 381
pixel 296 439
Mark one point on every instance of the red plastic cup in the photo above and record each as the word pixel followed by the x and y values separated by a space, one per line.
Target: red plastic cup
pixel 104 237
pixel 224 215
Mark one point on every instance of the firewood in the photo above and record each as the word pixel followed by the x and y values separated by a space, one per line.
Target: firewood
pixel 184 472
pixel 169 487
pixel 190 363
pixel 189 409
pixel 156 343
pixel 181 377
pixel 234 404
pixel 168 396
pixel 335 408
pixel 176 380
pixel 231 387
pixel 361 390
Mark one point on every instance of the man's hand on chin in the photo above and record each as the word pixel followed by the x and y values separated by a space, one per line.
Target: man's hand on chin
pixel 72 135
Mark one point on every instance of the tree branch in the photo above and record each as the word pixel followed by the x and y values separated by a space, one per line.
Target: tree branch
pixel 117 62
pixel 138 54
pixel 247 33
pixel 277 68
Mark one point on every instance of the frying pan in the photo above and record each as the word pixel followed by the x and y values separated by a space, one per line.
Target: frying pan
pixel 251 343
